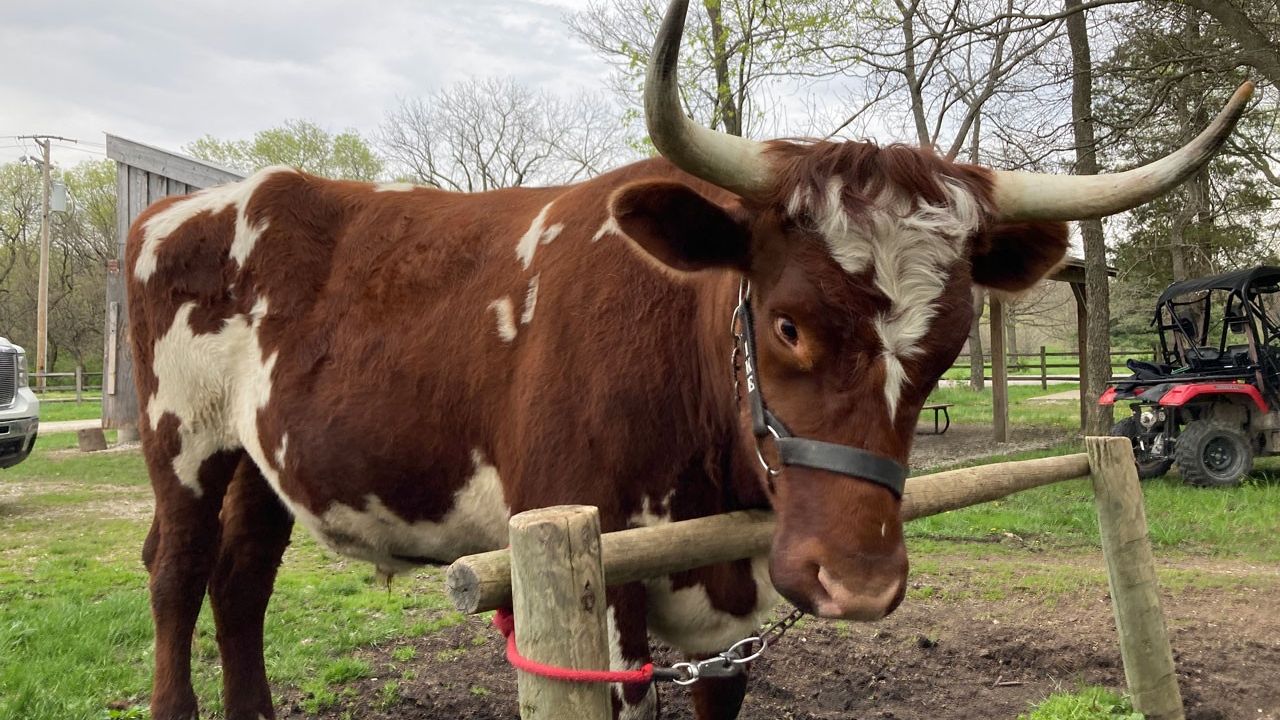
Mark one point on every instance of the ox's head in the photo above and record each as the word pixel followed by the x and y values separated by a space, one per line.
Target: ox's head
pixel 862 262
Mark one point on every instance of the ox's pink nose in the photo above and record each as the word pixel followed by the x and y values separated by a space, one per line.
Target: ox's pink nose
pixel 859 588
pixel 864 602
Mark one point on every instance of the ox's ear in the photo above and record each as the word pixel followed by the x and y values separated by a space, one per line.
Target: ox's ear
pixel 1014 256
pixel 679 227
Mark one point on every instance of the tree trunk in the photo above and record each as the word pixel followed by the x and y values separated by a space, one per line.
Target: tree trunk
pixel 976 369
pixel 911 75
pixel 1098 370
pixel 727 111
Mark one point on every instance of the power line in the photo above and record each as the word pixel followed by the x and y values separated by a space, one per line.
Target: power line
pixel 94 151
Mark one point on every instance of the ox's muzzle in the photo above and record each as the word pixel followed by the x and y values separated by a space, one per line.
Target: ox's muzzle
pixel 839 554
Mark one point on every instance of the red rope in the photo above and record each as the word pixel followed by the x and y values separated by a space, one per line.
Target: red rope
pixel 506 623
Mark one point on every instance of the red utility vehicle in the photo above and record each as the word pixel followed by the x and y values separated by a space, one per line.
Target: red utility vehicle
pixel 1214 402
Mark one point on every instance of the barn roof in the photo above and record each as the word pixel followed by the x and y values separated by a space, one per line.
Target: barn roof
pixel 169 164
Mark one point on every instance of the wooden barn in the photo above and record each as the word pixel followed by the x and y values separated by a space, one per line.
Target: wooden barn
pixel 144 174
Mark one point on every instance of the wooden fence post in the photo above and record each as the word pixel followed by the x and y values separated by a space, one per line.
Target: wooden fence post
pixel 79 384
pixel 1131 573
pixel 1044 371
pixel 999 373
pixel 557 586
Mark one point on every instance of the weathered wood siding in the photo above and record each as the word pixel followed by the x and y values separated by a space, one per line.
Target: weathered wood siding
pixel 144 174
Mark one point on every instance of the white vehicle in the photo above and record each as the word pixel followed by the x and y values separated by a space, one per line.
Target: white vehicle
pixel 19 408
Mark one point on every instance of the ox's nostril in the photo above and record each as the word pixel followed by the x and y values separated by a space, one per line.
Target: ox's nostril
pixel 871 600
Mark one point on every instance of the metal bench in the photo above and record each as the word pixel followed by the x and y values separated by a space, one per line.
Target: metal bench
pixel 939 409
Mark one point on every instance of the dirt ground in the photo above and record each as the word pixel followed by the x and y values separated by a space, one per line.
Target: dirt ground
pixel 970 442
pixel 935 659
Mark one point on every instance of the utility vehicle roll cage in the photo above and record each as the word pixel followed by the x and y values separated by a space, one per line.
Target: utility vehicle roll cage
pixel 1188 322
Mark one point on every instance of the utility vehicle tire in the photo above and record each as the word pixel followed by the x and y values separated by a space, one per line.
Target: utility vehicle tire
pixel 1213 454
pixel 1148 467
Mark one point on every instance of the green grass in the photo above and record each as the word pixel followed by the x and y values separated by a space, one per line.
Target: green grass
pixel 975 407
pixel 112 468
pixel 53 412
pixel 75 625
pixel 1242 522
pixel 1089 703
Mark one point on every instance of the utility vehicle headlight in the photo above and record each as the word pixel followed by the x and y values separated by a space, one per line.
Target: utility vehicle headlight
pixel 1148 419
pixel 22 369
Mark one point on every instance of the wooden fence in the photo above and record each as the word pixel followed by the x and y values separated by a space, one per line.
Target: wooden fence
pixel 70 382
pixel 1037 365
pixel 555 572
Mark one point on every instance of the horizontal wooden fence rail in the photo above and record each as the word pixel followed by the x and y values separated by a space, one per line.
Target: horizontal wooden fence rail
pixel 41 385
pixel 478 583
pixel 1017 368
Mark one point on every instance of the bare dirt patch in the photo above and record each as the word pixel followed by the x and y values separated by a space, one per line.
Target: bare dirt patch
pixel 82 500
pixel 963 443
pixel 936 659
pixel 111 450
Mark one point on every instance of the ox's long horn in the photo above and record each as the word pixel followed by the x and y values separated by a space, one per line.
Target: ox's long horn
pixel 1033 196
pixel 733 163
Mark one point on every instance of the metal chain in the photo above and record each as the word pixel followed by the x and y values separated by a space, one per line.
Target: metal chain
pixel 730 662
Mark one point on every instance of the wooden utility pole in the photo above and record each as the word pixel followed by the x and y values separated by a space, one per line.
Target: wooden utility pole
pixel 42 299
pixel 999 372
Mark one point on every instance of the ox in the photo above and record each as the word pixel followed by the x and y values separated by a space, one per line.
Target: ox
pixel 399 369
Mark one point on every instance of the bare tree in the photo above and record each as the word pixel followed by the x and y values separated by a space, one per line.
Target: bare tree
pixel 739 47
pixel 922 71
pixel 490 133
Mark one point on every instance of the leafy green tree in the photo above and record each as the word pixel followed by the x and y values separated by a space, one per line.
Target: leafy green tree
pixel 1218 220
pixel 81 239
pixel 297 143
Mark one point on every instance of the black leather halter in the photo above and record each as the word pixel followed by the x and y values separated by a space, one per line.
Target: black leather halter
pixel 841 459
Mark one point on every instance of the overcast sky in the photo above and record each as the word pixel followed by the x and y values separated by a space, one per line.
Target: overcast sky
pixel 166 72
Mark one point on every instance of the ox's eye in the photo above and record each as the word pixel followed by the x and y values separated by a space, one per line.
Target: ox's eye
pixel 786 330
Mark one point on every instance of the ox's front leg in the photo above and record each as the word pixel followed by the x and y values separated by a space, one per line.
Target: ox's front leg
pixel 629 650
pixel 255 533
pixel 718 698
pixel 179 553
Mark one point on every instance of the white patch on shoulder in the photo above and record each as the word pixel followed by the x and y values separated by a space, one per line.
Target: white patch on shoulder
pixel 212 200
pixel 505 312
pixel 646 709
pixel 610 227
pixel 537 234
pixel 530 300
pixel 477 522
pixel 394 187
pixel 685 620
pixel 214 384
pixel 912 251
